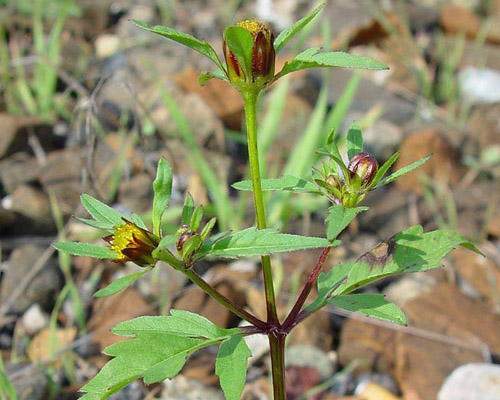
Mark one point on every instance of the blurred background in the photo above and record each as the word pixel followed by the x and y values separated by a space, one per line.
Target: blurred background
pixel 90 103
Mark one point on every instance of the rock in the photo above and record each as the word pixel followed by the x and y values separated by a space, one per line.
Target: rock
pixel 444 165
pixel 373 391
pixel 222 98
pixel 422 364
pixel 42 287
pixel 312 357
pixel 370 346
pixel 34 319
pixel 8 137
pixel 107 45
pixel 34 205
pixel 40 347
pixel 61 176
pixel 472 382
pixel 478 271
pixel 483 127
pixel 480 85
pixel 136 193
pixel 30 384
pixel 18 169
pixel 301 379
pixel 410 287
pixel 182 388
pixel 109 311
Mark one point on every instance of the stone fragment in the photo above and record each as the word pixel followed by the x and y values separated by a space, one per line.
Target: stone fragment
pixel 472 382
pixel 34 319
pixel 42 287
pixel 182 388
pixel 30 384
pixel 444 165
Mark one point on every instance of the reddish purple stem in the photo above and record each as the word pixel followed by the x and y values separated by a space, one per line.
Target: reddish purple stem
pixel 291 320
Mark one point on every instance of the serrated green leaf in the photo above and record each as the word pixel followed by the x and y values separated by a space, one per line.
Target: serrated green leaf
pixel 372 305
pixel 231 366
pixel 200 46
pixel 287 182
pixel 96 224
pixel 255 242
pixel 179 323
pixel 217 74
pixel 102 212
pixel 120 284
pixel 240 42
pixel 409 251
pixel 288 33
pixel 157 351
pixel 338 218
pixel 403 171
pixel 354 141
pixel 86 250
pixel 162 187
pixel 310 58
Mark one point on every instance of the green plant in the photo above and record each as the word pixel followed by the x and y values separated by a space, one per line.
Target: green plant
pixel 159 345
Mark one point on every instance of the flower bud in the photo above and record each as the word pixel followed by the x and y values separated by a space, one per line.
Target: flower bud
pixel 132 243
pixel 364 166
pixel 263 56
pixel 182 239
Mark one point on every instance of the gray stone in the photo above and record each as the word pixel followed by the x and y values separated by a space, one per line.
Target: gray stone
pixel 310 356
pixel 42 287
pixel 17 169
pixel 29 383
pixel 182 388
pixel 34 319
pixel 472 382
pixel 409 287
pixel 480 85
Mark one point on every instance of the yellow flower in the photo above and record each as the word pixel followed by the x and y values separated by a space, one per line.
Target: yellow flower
pixel 132 243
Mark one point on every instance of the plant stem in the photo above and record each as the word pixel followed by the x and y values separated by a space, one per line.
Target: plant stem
pixel 250 100
pixel 291 320
pixel 219 297
pixel 277 347
pixel 276 337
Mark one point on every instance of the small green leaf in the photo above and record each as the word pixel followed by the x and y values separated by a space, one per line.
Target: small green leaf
pixel 354 141
pixel 96 224
pixel 102 212
pixel 231 366
pixel 338 218
pixel 200 46
pixel 208 228
pixel 255 242
pixel 188 209
pixel 240 41
pixel 162 187
pixel 166 241
pixel 372 305
pixel 285 35
pixel 196 218
pixel 86 250
pixel 310 58
pixel 218 74
pixel 136 219
pixel 287 182
pixel 383 169
pixel 120 284
pixel 403 171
